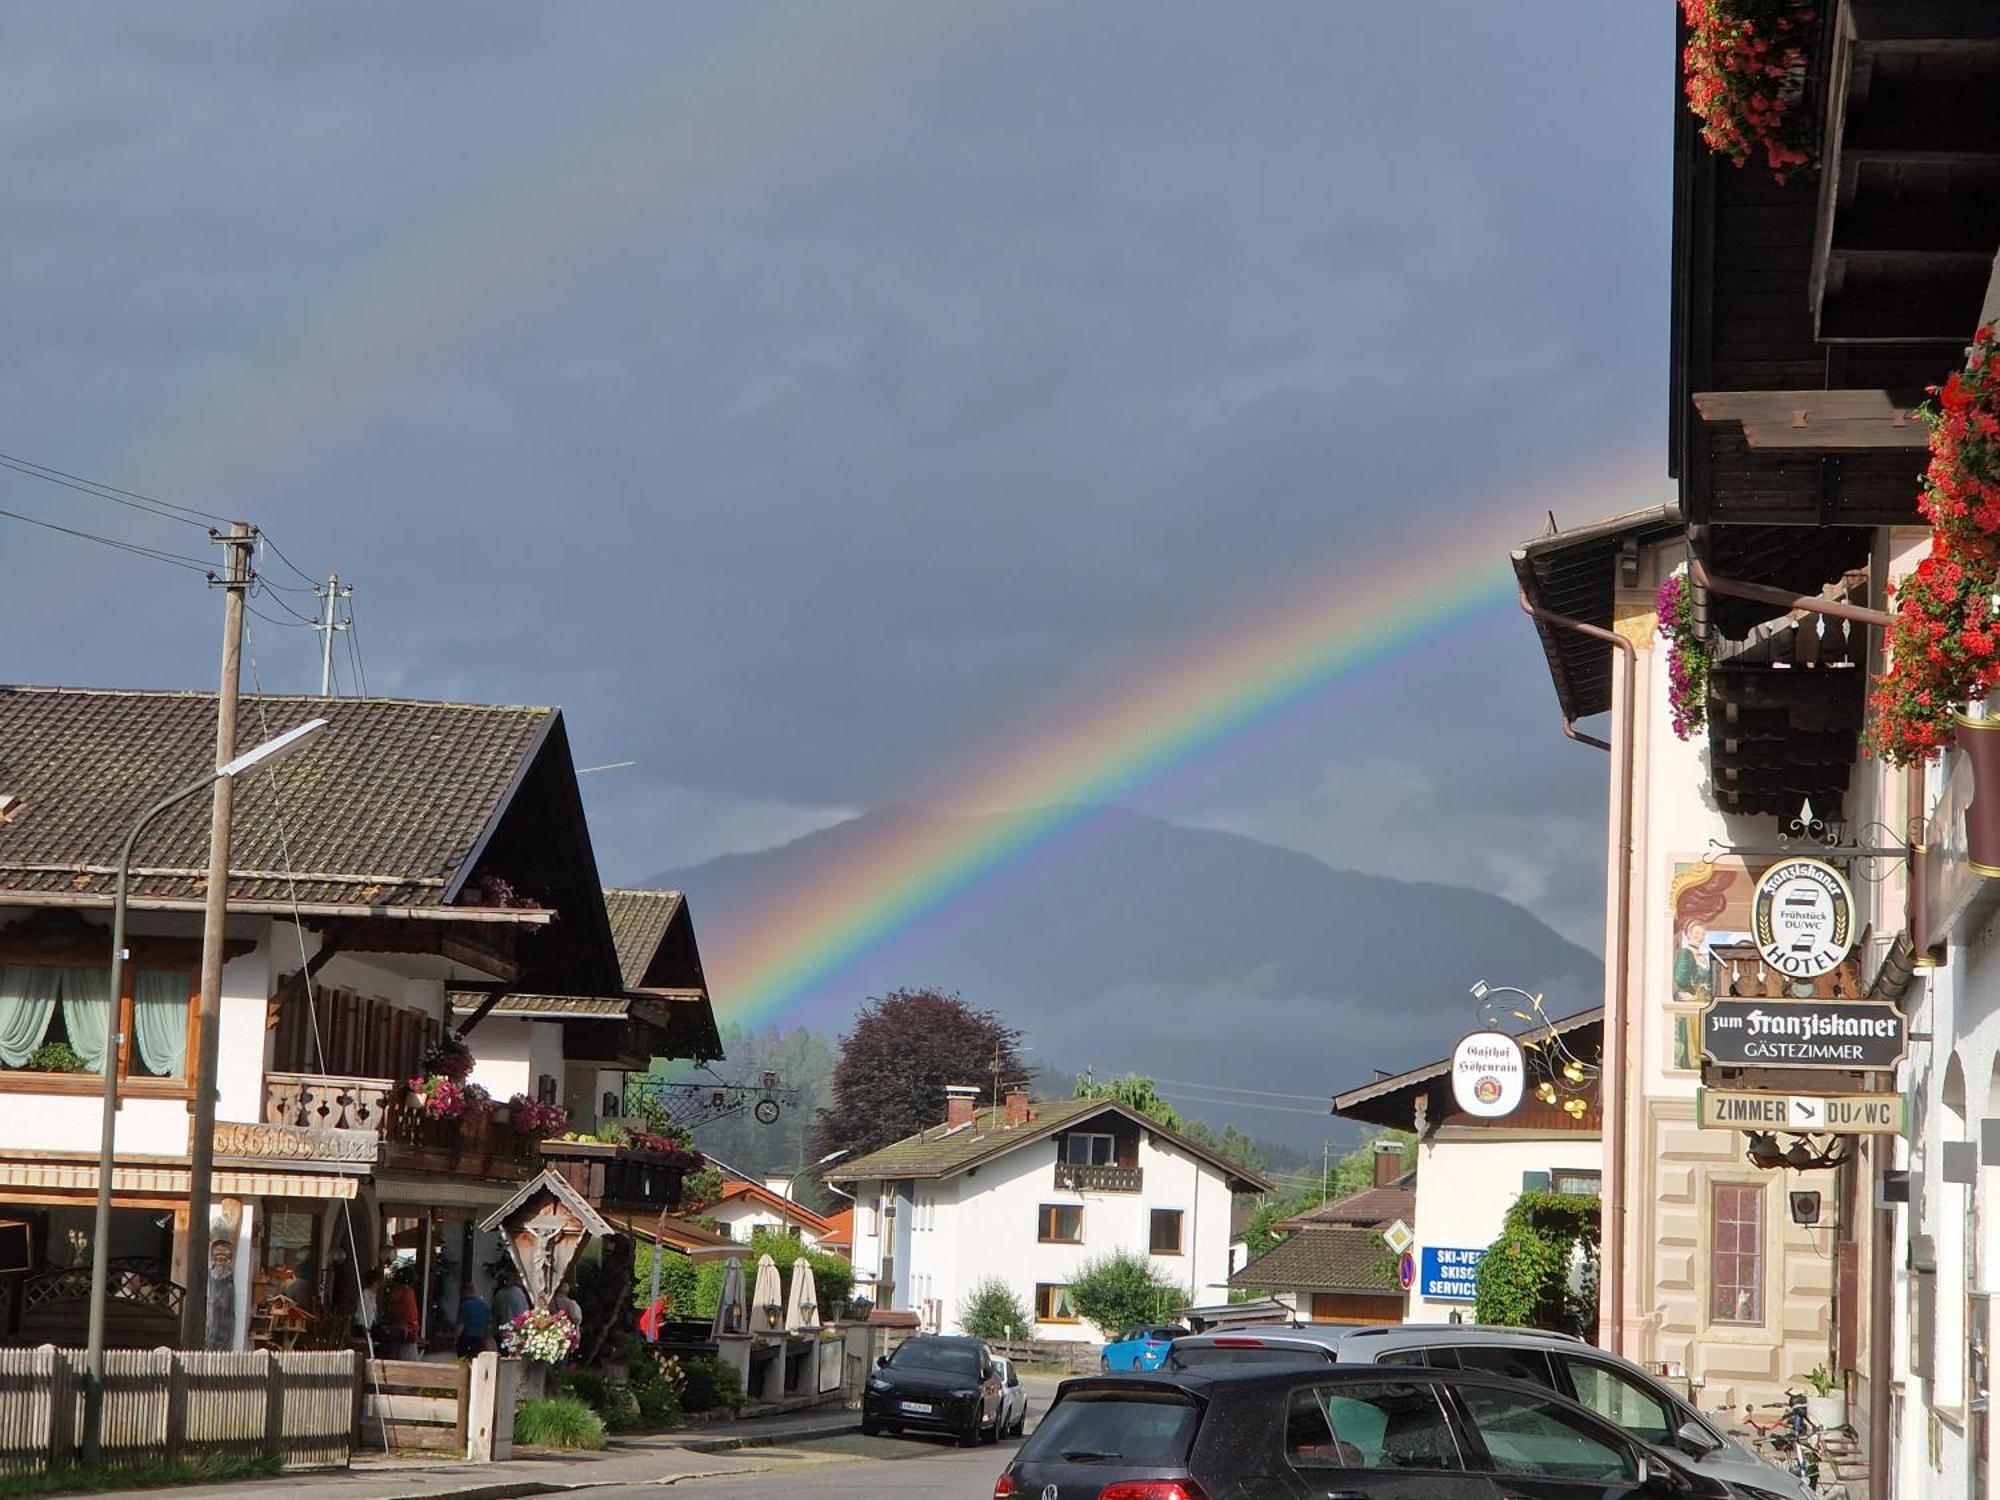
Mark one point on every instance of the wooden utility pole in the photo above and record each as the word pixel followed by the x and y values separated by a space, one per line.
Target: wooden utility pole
pixel 198 1319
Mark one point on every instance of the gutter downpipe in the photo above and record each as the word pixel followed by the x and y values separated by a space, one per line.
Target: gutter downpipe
pixel 1611 1299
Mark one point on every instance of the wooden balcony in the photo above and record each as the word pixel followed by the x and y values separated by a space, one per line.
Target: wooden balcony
pixel 620 1178
pixel 1100 1179
pixel 347 1123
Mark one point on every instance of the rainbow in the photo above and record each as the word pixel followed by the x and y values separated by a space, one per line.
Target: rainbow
pixel 1351 630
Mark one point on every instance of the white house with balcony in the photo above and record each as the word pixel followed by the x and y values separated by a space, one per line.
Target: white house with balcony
pixel 1026 1193
pixel 427 868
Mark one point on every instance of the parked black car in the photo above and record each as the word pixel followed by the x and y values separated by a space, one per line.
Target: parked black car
pixel 1332 1433
pixel 933 1384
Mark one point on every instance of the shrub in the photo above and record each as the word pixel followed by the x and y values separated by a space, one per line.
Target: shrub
pixel 680 1280
pixel 992 1311
pixel 1524 1279
pixel 560 1422
pixel 1118 1290
pixel 708 1384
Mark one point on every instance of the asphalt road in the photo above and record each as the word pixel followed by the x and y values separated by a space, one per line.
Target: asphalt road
pixel 845 1469
pixel 853 1467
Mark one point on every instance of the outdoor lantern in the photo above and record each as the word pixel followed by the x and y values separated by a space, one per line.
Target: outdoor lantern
pixel 732 1317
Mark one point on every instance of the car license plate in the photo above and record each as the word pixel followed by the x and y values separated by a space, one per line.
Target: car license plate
pixel 917 1408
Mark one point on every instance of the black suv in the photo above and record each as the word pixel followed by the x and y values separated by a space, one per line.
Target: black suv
pixel 934 1384
pixel 1332 1433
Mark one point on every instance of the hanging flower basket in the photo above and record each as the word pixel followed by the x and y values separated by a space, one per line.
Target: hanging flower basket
pixel 1688 659
pixel 450 1057
pixel 543 1336
pixel 1745 66
pixel 1945 644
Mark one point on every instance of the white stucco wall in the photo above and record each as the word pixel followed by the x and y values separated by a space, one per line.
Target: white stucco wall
pixel 983 1224
pixel 509 1055
pixel 1467 1179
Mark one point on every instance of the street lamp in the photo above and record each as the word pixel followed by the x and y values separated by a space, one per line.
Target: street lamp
pixel 828 1160
pixel 267 753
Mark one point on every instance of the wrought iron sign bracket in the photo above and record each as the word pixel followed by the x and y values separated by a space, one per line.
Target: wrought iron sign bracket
pixel 1807 834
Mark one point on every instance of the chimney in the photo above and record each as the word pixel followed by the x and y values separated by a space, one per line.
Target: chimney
pixel 780 1185
pixel 960 1100
pixel 1017 1107
pixel 1388 1162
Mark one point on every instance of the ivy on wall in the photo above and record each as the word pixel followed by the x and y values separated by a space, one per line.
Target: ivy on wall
pixel 1525 1279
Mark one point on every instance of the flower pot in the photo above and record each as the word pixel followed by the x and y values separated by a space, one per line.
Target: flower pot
pixel 1980 740
pixel 1827 1411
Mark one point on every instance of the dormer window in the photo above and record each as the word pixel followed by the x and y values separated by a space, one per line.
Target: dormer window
pixel 1088 1148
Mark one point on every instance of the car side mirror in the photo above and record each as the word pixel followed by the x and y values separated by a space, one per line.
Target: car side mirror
pixel 1695 1440
pixel 881 1361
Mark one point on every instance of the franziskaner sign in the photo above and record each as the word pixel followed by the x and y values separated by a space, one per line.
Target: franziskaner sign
pixel 1759 1033
pixel 1802 917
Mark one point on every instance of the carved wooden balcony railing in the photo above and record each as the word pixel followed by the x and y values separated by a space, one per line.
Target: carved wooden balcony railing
pixel 1100 1179
pixel 625 1178
pixel 326 1102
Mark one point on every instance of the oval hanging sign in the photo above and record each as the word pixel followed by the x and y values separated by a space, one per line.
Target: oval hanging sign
pixel 1488 1073
pixel 1802 918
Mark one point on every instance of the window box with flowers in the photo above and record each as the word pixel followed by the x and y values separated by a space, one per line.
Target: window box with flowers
pixel 1944 647
pixel 1745 66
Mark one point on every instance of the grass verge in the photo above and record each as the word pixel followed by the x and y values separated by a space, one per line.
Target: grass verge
pixel 202 1468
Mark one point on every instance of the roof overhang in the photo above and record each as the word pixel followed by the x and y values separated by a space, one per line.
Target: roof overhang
pixel 1392 1101
pixel 1575 574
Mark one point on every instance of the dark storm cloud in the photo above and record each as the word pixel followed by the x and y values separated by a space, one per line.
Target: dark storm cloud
pixel 810 403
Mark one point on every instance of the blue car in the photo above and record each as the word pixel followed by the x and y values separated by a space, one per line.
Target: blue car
pixel 1141 1348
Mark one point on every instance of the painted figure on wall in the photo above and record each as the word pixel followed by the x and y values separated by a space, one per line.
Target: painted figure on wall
pixel 1700 896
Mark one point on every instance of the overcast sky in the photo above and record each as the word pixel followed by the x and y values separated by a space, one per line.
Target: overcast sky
pixel 811 397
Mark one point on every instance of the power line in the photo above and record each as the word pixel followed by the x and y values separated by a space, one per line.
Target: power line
pixel 272 620
pixel 179 560
pixel 288 609
pixel 137 499
pixel 279 553
pixel 354 649
pixel 1229 1088
pixel 1288 1109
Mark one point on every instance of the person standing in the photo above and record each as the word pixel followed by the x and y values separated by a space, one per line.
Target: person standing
pixel 402 1323
pixel 475 1323
pixel 509 1302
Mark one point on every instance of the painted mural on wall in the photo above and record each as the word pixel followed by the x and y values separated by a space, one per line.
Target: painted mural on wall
pixel 1711 915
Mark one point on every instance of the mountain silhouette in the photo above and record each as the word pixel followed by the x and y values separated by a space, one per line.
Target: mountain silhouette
pixel 1201 957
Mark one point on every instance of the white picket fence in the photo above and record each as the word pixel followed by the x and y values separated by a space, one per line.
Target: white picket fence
pixel 162 1403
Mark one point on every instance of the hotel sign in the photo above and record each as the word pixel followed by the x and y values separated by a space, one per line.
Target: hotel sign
pixel 1802 917
pixel 1829 1114
pixel 1759 1033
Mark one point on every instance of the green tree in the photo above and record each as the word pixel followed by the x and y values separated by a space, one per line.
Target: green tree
pixel 895 1062
pixel 1134 1091
pixel 1137 1091
pixel 1119 1290
pixel 992 1311
pixel 1524 1280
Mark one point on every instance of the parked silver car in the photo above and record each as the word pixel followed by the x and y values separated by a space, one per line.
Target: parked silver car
pixel 1013 1399
pixel 1614 1388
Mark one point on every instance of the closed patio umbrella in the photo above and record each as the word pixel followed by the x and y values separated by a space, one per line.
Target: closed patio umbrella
pixel 802 1307
pixel 767 1297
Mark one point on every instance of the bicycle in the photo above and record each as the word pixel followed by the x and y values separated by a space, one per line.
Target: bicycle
pixel 1792 1441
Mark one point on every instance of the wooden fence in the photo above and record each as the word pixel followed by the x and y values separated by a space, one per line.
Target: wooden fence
pixel 460 1407
pixel 1072 1355
pixel 161 1403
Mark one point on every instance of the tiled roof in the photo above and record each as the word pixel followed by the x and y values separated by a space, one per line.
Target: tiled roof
pixel 1370 1207
pixel 639 919
pixel 1325 1259
pixel 737 1187
pixel 840 1231
pixel 385 808
pixel 943 1151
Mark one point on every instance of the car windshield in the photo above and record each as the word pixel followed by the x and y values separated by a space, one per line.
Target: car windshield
pixel 1125 1427
pixel 923 1354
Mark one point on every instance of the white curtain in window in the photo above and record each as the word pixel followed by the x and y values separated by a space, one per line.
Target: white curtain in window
pixel 86 1002
pixel 27 1000
pixel 160 1021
